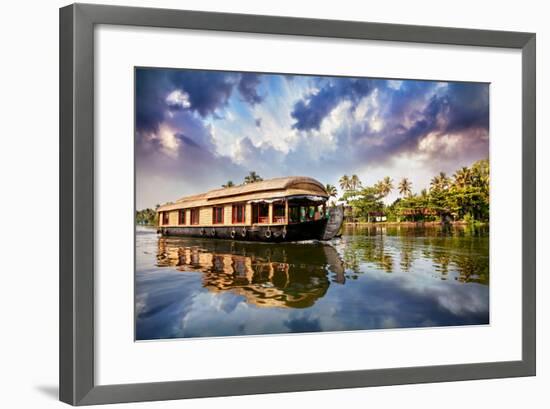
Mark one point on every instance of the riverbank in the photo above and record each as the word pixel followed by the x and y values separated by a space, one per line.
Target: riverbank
pixel 412 224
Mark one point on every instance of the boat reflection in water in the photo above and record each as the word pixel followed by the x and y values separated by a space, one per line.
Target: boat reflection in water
pixel 377 278
pixel 260 273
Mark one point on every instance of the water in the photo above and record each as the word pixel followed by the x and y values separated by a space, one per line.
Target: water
pixel 370 278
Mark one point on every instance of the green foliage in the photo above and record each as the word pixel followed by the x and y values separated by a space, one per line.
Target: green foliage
pixel 344 183
pixel 464 197
pixel 385 186
pixel 364 201
pixel 468 218
pixel 405 187
pixel 147 217
pixel 331 190
pixel 252 177
pixel 355 183
pixel 348 183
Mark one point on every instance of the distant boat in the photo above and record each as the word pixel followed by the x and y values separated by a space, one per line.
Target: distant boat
pixel 274 210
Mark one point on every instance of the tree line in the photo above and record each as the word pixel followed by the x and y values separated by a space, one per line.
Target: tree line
pixel 464 196
pixel 147 216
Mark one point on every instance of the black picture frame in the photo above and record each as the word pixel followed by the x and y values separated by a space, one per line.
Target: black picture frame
pixel 77 385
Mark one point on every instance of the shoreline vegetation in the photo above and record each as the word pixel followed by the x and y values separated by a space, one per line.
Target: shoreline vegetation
pixel 413 224
pixel 460 199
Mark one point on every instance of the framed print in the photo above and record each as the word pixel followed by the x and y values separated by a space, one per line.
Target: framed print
pixel 316 192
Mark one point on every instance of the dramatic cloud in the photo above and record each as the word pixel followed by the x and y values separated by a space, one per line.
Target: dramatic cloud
pixel 310 111
pixel 159 91
pixel 178 100
pixel 466 106
pixel 414 120
pixel 208 91
pixel 198 129
pixel 152 89
pixel 248 87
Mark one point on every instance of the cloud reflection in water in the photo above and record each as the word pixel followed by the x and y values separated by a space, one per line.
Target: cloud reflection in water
pixel 369 279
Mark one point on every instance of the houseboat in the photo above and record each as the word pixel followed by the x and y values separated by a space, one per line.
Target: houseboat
pixel 274 210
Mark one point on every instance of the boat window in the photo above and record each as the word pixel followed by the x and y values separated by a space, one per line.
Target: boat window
pixel 307 213
pixel 318 212
pixel 279 213
pixel 181 217
pixel 165 218
pixel 294 214
pixel 238 213
pixel 194 216
pixel 217 215
pixel 303 213
pixel 263 213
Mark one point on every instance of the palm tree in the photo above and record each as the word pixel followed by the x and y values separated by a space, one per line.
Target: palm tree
pixel 345 182
pixel 252 177
pixel 462 177
pixel 479 173
pixel 440 182
pixel 354 182
pixel 229 184
pixel 385 186
pixel 331 190
pixel 405 187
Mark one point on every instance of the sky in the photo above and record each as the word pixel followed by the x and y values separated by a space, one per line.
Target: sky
pixel 197 129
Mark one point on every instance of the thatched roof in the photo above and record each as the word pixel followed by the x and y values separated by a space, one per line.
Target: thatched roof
pixel 266 189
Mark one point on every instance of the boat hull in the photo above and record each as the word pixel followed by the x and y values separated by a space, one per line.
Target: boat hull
pixel 313 230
